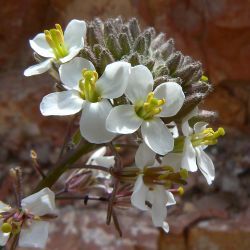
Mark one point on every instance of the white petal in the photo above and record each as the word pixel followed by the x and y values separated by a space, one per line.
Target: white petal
pixel 3 237
pixel 73 52
pixel 205 165
pixel 159 210
pixel 114 80
pixel 174 96
pixel 123 120
pixel 38 68
pixel 172 160
pixel 98 153
pixel 140 83
pixel 40 203
pixel 165 227
pixel 174 129
pixel 40 46
pixel 4 207
pixel 36 235
pixel 105 161
pixel 138 197
pixel 186 129
pixel 189 156
pixel 200 126
pixel 75 34
pixel 71 72
pixel 170 199
pixel 93 119
pixel 61 103
pixel 157 136
pixel 144 156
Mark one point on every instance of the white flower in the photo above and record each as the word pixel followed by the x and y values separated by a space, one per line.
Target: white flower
pixel 193 156
pixel 146 109
pixel 99 158
pixel 35 232
pixel 86 91
pixel 56 46
pixel 156 195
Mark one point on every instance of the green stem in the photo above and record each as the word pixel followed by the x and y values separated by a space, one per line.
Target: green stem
pixel 62 166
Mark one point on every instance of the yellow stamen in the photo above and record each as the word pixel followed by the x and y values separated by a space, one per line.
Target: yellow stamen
pixel 151 107
pixel 184 173
pixel 55 39
pixel 180 190
pixel 6 227
pixel 87 86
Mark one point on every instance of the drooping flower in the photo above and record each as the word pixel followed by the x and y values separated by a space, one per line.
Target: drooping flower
pixel 196 141
pixel 146 194
pixel 146 109
pixel 31 221
pixel 85 91
pixel 57 46
pixel 82 180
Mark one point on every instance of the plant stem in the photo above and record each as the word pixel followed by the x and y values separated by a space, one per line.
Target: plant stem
pixel 84 147
pixel 94 167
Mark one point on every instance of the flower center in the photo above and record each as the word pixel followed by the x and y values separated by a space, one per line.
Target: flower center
pixel 162 175
pixel 55 39
pixel 207 137
pixel 87 86
pixel 151 107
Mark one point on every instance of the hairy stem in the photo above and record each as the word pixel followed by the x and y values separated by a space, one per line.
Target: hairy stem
pixel 64 164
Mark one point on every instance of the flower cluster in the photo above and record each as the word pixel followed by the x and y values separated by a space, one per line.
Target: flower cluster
pixel 118 101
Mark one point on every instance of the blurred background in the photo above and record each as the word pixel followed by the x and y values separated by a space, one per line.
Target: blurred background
pixel 217 33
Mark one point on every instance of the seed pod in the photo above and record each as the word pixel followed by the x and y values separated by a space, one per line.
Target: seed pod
pixel 158 41
pixel 140 45
pixel 167 49
pixel 124 43
pixel 134 28
pixel 134 59
pixel 92 37
pixel 173 61
pixel 114 46
pixel 105 59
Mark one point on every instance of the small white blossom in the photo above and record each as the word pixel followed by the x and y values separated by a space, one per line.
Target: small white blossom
pixel 156 195
pixel 57 46
pixel 34 230
pixel 195 142
pixel 85 91
pixel 146 109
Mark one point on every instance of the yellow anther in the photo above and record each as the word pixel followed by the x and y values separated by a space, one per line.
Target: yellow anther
pixel 150 96
pixel 6 227
pixel 180 190
pixel 220 132
pixel 161 102
pixel 36 217
pixel 157 111
pixel 118 148
pixel 204 78
pixel 184 173
pixel 59 28
pixel 55 39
